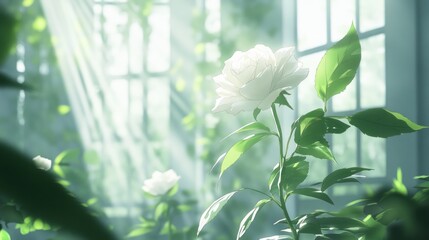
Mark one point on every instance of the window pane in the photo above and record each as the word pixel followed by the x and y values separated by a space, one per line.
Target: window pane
pixel 344 149
pixel 371 14
pixel 116 48
pixel 311 22
pixel 373 151
pixel 343 13
pixel 159 43
pixel 307 96
pixel 372 72
pixel 136 46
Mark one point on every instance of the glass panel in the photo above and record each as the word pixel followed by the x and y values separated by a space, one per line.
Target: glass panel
pixel 322 170
pixel 136 107
pixel 373 152
pixel 158 106
pixel 344 149
pixel 119 88
pixel 372 72
pixel 159 40
pixel 115 21
pixel 346 101
pixel 311 22
pixel 371 14
pixel 343 13
pixel 307 96
pixel 136 46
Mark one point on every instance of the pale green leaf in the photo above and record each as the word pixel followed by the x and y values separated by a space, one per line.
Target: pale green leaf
pixel 338 66
pixel 250 216
pixel 317 150
pixel 314 193
pixel 235 152
pixel 211 212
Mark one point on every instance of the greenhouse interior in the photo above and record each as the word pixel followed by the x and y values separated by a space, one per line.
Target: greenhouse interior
pixel 214 119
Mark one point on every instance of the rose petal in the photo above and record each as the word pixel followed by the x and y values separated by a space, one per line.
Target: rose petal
pixel 258 88
pixel 266 103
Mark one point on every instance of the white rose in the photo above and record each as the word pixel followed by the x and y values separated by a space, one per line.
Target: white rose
pixel 160 182
pixel 254 79
pixel 42 163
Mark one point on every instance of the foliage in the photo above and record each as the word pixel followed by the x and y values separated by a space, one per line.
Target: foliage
pixel 168 218
pixel 334 73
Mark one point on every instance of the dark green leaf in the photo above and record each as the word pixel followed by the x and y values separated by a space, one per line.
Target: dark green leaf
pixel 379 122
pixel 281 99
pixel 39 194
pixel 335 126
pixel 235 152
pixel 314 193
pixel 294 174
pixel 338 66
pixel 256 113
pixel 213 210
pixel 8 31
pixel 340 174
pixel 311 128
pixel 317 150
pixel 7 81
pixel 307 224
pixel 250 216
pixel 293 160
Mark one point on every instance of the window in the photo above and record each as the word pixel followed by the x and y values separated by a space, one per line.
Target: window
pixel 329 20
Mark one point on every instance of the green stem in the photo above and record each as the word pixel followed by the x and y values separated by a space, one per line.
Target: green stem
pixel 281 163
pixel 271 197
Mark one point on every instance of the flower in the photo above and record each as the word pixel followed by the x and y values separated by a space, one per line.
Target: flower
pixel 255 78
pixel 42 163
pixel 160 182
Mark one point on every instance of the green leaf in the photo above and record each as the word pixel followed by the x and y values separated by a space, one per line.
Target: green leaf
pixel 308 224
pixel 277 237
pixel 4 235
pixel 338 66
pixel 281 100
pixel 256 113
pixel 335 126
pixel 294 174
pixel 160 210
pixel 7 81
pixel 379 122
pixel 340 223
pixel 213 210
pixel 311 128
pixel 235 152
pixel 254 126
pixel 274 174
pixel 338 175
pixel 337 236
pixel 8 31
pixel 314 193
pixel 317 150
pixel 250 216
pixel 140 231
pixel 422 177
